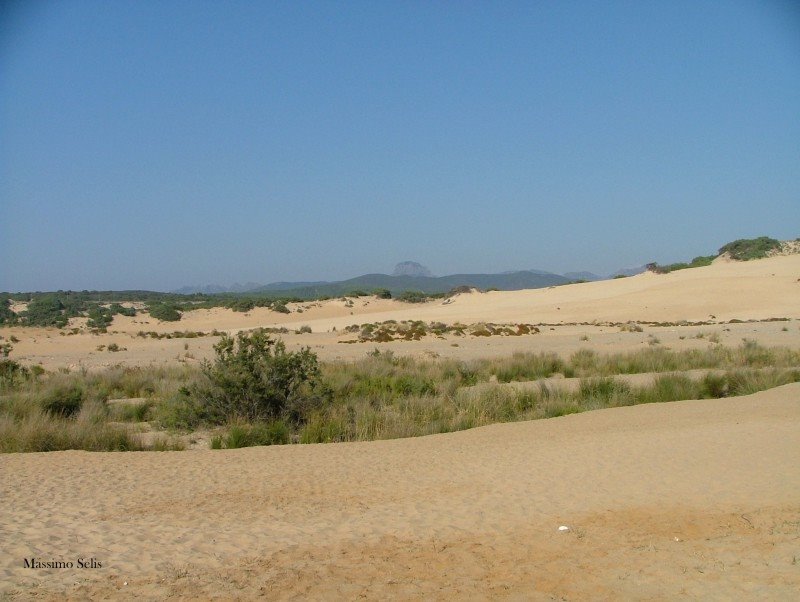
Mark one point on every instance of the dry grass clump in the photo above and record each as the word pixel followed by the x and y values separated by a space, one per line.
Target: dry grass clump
pixel 57 411
pixel 39 431
pixel 522 366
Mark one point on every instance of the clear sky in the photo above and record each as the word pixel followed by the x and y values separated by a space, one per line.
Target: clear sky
pixel 154 144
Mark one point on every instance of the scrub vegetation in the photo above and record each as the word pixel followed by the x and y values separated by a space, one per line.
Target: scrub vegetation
pixel 256 392
pixel 744 249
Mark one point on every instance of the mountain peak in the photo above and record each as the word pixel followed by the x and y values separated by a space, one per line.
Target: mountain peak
pixel 411 268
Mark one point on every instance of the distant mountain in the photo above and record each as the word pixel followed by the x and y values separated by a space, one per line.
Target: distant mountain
pixel 427 284
pixel 284 286
pixel 629 271
pixel 411 268
pixel 407 276
pixel 216 289
pixel 583 276
pixel 535 271
pixel 213 289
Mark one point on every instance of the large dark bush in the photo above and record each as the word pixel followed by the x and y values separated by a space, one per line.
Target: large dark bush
pixel 165 312
pixel 254 378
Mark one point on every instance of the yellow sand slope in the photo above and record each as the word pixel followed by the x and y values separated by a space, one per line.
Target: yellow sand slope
pixel 697 499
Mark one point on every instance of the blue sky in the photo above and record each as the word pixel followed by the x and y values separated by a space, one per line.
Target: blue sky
pixel 158 144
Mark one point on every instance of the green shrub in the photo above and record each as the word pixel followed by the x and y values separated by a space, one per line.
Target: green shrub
pixel 46 311
pixel 116 308
pixel 181 411
pixel 241 305
pixel 702 261
pixel 382 293
pixel 281 308
pixel 745 249
pixel 99 317
pixel 412 297
pixel 6 315
pixel 166 312
pixel 697 262
pixel 254 378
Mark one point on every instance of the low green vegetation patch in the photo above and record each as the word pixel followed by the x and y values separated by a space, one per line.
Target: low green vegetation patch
pixel 415 330
pixel 743 249
pixel 165 312
pixel 746 249
pixel 697 262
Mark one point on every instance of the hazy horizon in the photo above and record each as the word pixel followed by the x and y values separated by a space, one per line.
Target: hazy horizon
pixel 156 146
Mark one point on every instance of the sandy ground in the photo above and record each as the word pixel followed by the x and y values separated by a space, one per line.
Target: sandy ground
pixel 697 499
pixel 694 499
pixel 755 290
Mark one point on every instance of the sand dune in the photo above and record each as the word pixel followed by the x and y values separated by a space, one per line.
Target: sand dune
pixel 696 499
pixel 754 290
pixel 761 289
